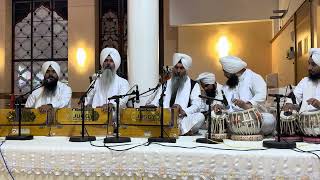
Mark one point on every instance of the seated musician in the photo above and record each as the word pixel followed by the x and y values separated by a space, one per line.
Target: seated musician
pixel 244 89
pixel 109 83
pixel 53 93
pixel 211 89
pixel 307 92
pixel 183 93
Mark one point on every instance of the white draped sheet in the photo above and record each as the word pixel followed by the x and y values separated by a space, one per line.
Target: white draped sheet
pixel 55 158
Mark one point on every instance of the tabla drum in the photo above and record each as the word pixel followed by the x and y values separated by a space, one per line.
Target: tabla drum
pixel 218 125
pixel 288 123
pixel 245 125
pixel 309 124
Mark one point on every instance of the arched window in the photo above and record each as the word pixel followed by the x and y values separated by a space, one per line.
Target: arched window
pixel 40 34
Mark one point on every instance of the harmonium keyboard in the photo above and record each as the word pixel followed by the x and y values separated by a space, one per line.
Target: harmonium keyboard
pixel 145 122
pixel 134 122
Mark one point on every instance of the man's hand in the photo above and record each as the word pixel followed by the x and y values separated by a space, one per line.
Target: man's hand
pixel 242 104
pixel 217 108
pixel 45 108
pixel 182 113
pixel 288 107
pixel 314 102
pixel 106 107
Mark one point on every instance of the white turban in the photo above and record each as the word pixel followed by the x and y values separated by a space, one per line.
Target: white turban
pixel 53 64
pixel 206 78
pixel 114 55
pixel 185 60
pixel 315 55
pixel 232 64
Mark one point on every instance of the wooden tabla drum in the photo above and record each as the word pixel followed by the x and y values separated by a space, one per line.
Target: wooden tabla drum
pixel 245 125
pixel 309 124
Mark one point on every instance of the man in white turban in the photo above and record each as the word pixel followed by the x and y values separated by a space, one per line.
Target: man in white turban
pixel 109 83
pixel 53 93
pixel 307 92
pixel 245 89
pixel 183 93
pixel 211 88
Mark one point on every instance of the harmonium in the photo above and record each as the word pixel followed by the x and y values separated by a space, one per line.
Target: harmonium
pixel 60 122
pixel 134 122
pixel 145 122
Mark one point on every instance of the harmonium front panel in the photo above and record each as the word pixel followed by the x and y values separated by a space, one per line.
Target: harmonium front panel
pixel 145 122
pixel 68 122
pixel 32 122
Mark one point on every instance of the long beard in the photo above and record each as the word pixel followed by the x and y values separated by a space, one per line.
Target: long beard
pixel 50 88
pixel 106 79
pixel 212 93
pixel 314 77
pixel 50 85
pixel 177 82
pixel 233 81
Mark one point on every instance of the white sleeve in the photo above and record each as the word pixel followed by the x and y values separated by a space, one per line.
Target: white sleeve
pixel 65 98
pixel 90 95
pixel 195 100
pixel 31 101
pixel 124 88
pixel 259 89
pixel 156 98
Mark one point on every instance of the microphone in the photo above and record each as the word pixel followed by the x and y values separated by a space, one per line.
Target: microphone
pixel 292 96
pixel 224 101
pixel 210 98
pixel 137 94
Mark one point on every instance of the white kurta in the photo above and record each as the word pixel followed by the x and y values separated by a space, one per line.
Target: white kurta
pixel 61 99
pixel 97 98
pixel 204 106
pixel 194 118
pixel 251 88
pixel 305 90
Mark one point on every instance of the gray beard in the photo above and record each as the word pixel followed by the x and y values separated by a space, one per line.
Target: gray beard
pixel 106 79
pixel 177 82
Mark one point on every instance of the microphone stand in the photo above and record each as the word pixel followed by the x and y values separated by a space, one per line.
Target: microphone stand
pixel 161 138
pixel 278 144
pixel 150 89
pixel 209 101
pixel 118 139
pixel 18 104
pixel 83 138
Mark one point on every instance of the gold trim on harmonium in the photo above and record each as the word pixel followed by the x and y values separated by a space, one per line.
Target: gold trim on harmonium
pixel 29 117
pixel 92 116
pixel 148 116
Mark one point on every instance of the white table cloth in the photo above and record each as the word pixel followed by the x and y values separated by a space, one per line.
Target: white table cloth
pixel 57 158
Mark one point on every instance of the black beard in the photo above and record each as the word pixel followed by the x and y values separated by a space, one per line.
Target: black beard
pixel 212 93
pixel 51 85
pixel 314 77
pixel 233 81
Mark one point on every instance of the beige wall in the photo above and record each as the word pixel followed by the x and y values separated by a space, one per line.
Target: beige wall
pixel 292 6
pixel 81 34
pixel 280 63
pixel 250 41
pixel 5 46
pixel 184 12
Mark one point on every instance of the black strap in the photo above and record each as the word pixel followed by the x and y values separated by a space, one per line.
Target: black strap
pixel 173 96
pixel 192 86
